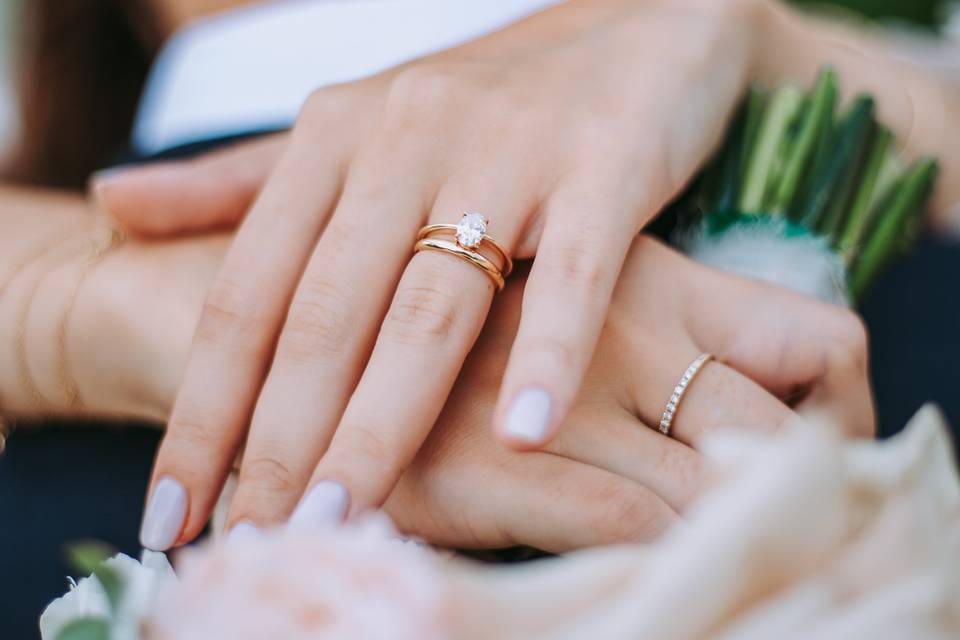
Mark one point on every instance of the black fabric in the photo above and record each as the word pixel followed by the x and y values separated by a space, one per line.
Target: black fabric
pixel 63 483
pixel 913 317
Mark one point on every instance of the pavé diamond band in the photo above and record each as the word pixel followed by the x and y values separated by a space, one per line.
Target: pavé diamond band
pixel 469 241
pixel 680 390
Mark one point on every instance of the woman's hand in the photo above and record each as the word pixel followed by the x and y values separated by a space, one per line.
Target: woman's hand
pixel 569 131
pixel 610 476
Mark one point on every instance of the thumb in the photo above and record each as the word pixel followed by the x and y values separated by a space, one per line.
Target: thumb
pixel 207 192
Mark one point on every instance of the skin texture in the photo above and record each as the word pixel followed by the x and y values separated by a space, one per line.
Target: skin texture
pixel 314 294
pixel 502 125
pixel 607 478
pixel 218 190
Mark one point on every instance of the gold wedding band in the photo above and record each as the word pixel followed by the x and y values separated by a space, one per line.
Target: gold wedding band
pixel 469 241
pixel 474 258
pixel 666 420
pixel 451 229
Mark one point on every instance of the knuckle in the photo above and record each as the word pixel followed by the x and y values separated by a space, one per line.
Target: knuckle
pixel 266 473
pixel 556 354
pixel 848 340
pixel 623 514
pixel 685 468
pixel 323 102
pixel 228 315
pixel 419 94
pixel 193 434
pixel 581 267
pixel 422 314
pixel 318 322
pixel 369 446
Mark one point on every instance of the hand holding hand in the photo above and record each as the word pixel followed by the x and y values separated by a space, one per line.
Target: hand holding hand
pixel 610 475
pixel 323 335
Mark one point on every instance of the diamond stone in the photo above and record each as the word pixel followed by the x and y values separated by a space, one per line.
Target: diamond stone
pixel 470 230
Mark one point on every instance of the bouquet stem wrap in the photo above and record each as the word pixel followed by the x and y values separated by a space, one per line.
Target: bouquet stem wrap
pixel 806 194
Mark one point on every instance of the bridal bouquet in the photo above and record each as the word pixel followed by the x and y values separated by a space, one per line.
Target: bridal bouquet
pixel 806 194
pixel 802 536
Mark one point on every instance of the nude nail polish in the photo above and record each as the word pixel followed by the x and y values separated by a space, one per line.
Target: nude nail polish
pixel 323 506
pixel 528 418
pixel 164 515
pixel 243 530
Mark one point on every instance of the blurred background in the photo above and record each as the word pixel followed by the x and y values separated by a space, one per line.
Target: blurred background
pixel 923 15
pixel 7 105
pixel 122 63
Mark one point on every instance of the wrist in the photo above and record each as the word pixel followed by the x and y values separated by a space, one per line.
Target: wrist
pixel 109 353
pixel 133 323
pixel 32 314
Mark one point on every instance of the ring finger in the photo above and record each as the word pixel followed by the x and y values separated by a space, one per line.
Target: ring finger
pixel 326 338
pixel 433 321
pixel 716 395
pixel 619 443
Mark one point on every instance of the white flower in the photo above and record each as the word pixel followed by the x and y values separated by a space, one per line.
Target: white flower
pixel 141 580
pixel 354 582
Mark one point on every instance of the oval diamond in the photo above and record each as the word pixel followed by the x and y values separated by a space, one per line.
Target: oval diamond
pixel 471 229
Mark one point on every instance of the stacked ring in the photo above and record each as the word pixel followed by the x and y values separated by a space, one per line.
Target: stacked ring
pixel 469 242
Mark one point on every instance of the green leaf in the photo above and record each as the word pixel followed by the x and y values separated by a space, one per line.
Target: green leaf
pixel 894 225
pixel 777 118
pixel 721 175
pixel 864 201
pixel 86 629
pixel 88 558
pixel 839 165
pixel 816 120
pixel 848 183
pixel 741 148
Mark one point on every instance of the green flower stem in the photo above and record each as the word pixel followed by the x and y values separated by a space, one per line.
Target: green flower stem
pixel 893 221
pixel 815 121
pixel 738 146
pixel 721 178
pixel 761 163
pixel 848 184
pixel 864 202
pixel 787 155
pixel 851 140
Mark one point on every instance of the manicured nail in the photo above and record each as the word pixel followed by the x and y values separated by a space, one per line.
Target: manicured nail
pixel 243 530
pixel 163 519
pixel 104 177
pixel 529 416
pixel 324 506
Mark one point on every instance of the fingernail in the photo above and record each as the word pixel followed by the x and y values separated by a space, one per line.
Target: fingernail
pixel 163 519
pixel 104 177
pixel 529 416
pixel 243 530
pixel 325 505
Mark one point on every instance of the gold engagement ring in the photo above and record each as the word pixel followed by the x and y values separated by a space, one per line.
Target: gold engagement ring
pixel 468 240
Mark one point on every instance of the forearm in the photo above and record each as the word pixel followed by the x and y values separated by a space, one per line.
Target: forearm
pixel 89 326
pixel 41 252
pixel 63 351
pixel 921 107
